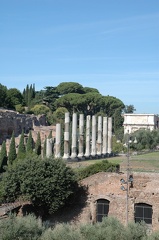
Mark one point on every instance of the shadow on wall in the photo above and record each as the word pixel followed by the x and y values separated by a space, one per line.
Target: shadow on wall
pixel 71 211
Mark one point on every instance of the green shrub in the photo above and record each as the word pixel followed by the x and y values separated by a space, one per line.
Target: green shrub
pixel 31 228
pixel 103 166
pixel 22 228
pixel 48 184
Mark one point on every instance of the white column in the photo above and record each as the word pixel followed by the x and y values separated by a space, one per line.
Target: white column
pixel 66 136
pixel 74 136
pixel 105 136
pixel 99 139
pixel 81 135
pixel 49 146
pixel 93 149
pixel 58 141
pixel 88 125
pixel 109 135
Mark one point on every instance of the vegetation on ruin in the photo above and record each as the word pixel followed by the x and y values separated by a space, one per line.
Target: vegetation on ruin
pixel 54 101
pixel 103 166
pixel 29 227
pixel 38 145
pixel 3 157
pixel 12 150
pixel 21 148
pixel 46 183
pixel 29 145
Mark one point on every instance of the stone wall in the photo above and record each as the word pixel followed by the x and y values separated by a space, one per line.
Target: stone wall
pixel 107 186
pixel 13 121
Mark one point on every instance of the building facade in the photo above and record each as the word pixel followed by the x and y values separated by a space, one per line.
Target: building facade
pixel 134 122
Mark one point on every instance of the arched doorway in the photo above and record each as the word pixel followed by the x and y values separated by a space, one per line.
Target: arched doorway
pixel 102 209
pixel 143 212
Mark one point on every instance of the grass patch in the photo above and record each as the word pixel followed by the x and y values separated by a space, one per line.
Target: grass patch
pixel 141 162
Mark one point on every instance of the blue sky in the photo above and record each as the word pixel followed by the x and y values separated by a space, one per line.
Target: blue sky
pixel 110 45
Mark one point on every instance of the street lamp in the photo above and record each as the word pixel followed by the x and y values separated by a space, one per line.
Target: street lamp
pixel 129 177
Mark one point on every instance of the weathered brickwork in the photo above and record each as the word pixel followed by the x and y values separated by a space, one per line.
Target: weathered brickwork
pixel 107 186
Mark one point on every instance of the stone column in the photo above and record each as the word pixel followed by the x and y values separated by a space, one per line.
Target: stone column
pixel 99 139
pixel 105 136
pixel 66 136
pixel 81 135
pixel 74 136
pixel 109 135
pixel 49 146
pixel 88 125
pixel 93 149
pixel 58 141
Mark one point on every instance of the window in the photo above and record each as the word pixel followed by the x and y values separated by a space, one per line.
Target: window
pixel 102 209
pixel 143 212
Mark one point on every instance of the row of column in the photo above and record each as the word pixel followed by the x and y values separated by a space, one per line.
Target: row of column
pixel 98 138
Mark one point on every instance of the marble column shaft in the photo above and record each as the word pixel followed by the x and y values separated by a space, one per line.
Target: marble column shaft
pixel 49 146
pixel 99 138
pixel 109 135
pixel 93 149
pixel 105 136
pixel 81 135
pixel 58 141
pixel 74 136
pixel 66 136
pixel 88 136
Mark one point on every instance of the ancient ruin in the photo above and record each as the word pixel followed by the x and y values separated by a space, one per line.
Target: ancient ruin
pixel 92 141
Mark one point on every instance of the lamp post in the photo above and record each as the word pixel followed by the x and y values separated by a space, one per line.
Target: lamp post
pixel 129 177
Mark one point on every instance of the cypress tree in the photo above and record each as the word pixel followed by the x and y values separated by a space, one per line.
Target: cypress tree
pixel 21 148
pixel 38 145
pixel 50 135
pixel 29 145
pixel 44 149
pixel 12 150
pixel 3 157
pixel 26 94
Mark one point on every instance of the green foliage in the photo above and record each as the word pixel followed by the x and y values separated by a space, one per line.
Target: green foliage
pixel 146 139
pixel 14 97
pixel 44 149
pixel 58 116
pixel 29 145
pixel 88 90
pixel 19 108
pixel 28 227
pixel 23 228
pixel 47 183
pixel 21 148
pixel 118 120
pixel 50 135
pixel 129 109
pixel 38 144
pixel 69 87
pixel 40 109
pixel 117 145
pixel 50 96
pixel 110 104
pixel 3 95
pixel 29 94
pixel 3 157
pixel 12 150
pixel 103 166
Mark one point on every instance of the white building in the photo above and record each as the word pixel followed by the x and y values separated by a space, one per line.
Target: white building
pixel 133 122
